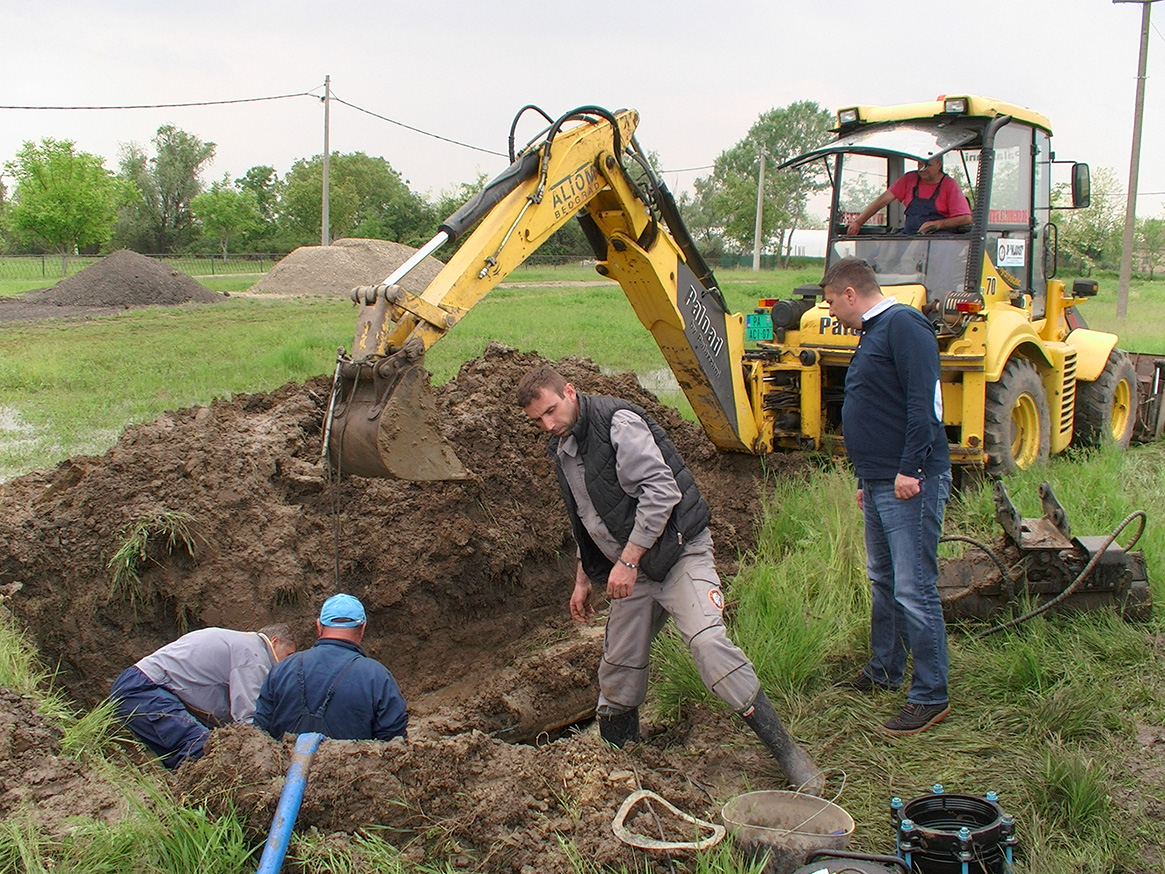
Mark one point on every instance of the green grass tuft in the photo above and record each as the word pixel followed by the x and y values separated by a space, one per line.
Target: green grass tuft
pixel 171 529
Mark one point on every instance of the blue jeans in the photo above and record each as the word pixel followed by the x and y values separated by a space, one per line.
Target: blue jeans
pixel 902 563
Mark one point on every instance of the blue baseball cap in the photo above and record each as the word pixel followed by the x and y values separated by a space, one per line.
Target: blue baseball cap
pixel 342 611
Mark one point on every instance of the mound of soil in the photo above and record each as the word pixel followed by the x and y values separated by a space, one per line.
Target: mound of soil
pixel 336 269
pixel 476 802
pixel 119 281
pixel 37 780
pixel 466 585
pixel 441 567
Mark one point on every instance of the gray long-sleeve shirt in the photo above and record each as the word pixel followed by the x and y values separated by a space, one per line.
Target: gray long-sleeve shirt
pixel 215 670
pixel 642 473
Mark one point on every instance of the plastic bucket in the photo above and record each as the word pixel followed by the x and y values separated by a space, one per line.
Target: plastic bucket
pixel 785 825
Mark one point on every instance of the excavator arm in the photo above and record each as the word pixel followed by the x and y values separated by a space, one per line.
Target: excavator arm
pixel 381 421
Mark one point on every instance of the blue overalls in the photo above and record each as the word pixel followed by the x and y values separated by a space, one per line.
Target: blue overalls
pixel 922 209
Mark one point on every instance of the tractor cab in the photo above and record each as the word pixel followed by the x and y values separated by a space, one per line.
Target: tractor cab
pixel 998 154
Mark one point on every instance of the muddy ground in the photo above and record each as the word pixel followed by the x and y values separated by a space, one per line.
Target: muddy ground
pixel 466 585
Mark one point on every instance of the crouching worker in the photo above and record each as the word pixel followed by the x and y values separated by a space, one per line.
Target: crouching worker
pixel 333 688
pixel 641 528
pixel 172 698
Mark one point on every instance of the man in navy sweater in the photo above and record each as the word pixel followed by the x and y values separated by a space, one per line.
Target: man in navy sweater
pixel 333 688
pixel 893 429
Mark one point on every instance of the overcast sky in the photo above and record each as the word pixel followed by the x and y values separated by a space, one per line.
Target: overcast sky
pixel 698 72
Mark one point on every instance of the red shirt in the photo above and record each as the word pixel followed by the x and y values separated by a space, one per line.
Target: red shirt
pixel 951 200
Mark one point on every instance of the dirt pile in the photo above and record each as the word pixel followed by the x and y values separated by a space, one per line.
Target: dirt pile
pixel 119 281
pixel 37 779
pixel 476 802
pixel 453 574
pixel 466 585
pixel 336 269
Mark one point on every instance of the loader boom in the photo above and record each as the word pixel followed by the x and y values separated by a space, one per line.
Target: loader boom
pixel 579 168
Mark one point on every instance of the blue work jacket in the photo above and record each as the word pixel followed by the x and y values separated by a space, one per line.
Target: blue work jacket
pixel 366 703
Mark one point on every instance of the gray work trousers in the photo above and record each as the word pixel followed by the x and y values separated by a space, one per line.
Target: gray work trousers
pixel 691 596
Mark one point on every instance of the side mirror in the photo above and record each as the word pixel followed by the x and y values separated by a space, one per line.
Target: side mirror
pixel 1081 186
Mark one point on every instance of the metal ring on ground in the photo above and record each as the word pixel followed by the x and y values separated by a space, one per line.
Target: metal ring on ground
pixel 645 843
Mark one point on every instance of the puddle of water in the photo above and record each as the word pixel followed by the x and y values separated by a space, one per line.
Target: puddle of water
pixel 661 380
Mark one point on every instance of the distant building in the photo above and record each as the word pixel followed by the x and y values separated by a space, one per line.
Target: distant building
pixel 807 243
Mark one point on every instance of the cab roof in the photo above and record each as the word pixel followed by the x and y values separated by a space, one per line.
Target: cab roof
pixel 977 105
pixel 917 130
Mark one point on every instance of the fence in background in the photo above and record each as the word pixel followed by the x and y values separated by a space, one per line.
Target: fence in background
pixel 48 267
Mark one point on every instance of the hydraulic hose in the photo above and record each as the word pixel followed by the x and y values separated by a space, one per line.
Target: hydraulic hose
pixel 289 801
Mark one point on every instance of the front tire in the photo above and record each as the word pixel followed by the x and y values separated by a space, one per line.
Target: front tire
pixel 1017 432
pixel 1107 409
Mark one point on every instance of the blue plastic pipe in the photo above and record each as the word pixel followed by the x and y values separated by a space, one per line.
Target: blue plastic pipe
pixel 289 801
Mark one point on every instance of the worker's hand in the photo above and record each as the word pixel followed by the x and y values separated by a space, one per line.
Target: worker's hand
pixel 929 227
pixel 580 601
pixel 906 487
pixel 861 500
pixel 620 581
pixel 853 227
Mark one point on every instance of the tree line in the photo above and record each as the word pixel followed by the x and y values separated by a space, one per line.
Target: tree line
pixel 66 201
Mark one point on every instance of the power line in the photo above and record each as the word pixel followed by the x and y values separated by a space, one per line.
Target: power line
pixel 466 145
pixel 171 105
pixel 130 106
pixel 417 129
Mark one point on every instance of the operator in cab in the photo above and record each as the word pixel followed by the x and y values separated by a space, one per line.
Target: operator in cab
pixel 932 199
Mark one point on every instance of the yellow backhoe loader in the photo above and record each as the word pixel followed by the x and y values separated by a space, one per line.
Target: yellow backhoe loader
pixel 1022 374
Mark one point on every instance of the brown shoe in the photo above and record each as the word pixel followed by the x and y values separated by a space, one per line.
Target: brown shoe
pixel 916 718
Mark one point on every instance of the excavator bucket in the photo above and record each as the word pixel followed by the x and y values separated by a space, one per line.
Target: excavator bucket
pixel 385 424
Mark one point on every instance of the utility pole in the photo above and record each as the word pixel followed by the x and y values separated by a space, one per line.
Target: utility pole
pixel 760 199
pixel 1122 294
pixel 325 218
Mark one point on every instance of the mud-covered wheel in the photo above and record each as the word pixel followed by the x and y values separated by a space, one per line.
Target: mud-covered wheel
pixel 1107 409
pixel 1017 433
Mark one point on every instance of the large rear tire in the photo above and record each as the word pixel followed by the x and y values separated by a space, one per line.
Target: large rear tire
pixel 1017 433
pixel 1107 409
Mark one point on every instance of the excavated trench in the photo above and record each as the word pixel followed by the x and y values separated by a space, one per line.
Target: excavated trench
pixel 462 581
pixel 466 586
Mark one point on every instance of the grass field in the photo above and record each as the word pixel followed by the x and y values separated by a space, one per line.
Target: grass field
pixel 1046 714
pixel 69 388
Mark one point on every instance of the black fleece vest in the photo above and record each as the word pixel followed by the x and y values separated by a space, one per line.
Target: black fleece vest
pixel 617 508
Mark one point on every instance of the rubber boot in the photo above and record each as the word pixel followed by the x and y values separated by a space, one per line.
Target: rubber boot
pixel 619 729
pixel 800 770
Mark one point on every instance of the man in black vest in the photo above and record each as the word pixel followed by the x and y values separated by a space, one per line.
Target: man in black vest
pixel 641 527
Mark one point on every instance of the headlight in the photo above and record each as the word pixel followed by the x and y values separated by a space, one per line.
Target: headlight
pixel 847 116
pixel 955 106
